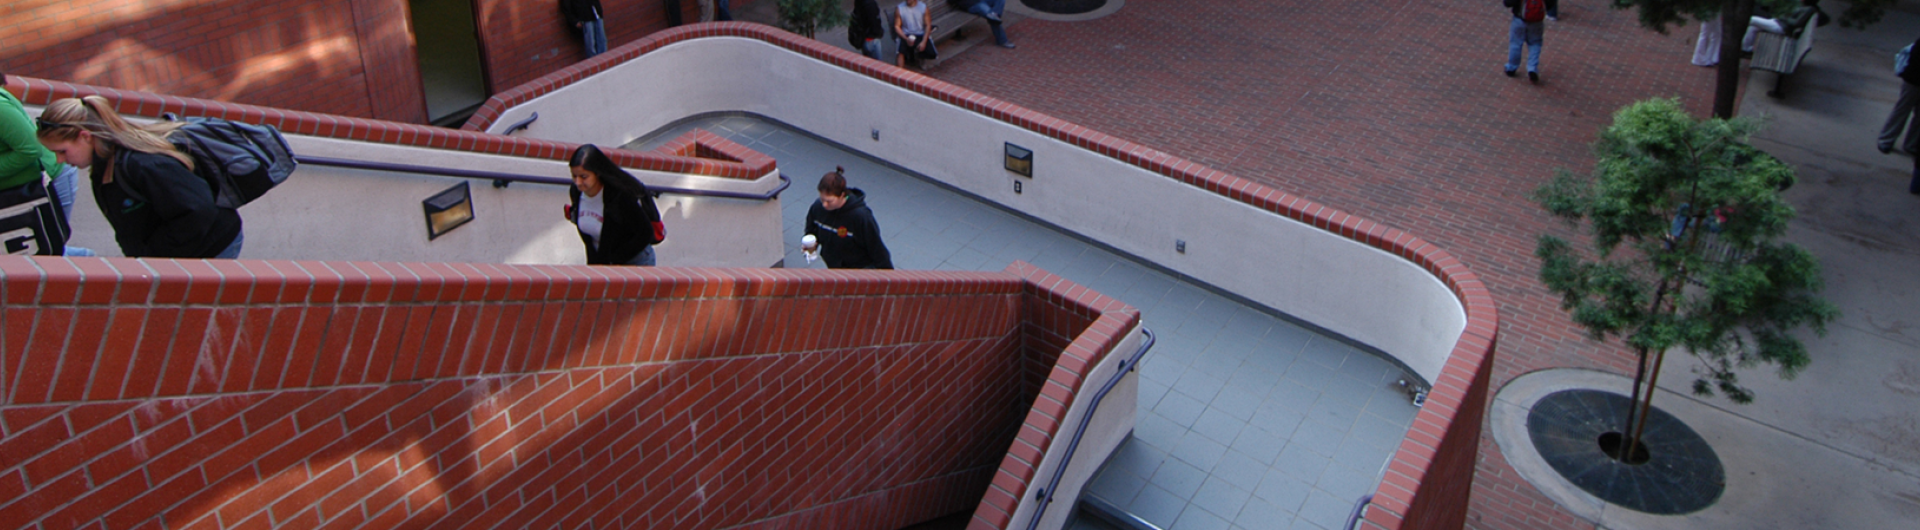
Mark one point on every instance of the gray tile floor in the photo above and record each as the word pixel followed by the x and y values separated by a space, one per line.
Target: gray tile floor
pixel 1246 421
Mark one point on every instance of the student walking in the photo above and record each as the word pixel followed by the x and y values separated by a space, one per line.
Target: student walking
pixel 27 215
pixel 844 227
pixel 616 216
pixel 1529 28
pixel 144 186
pixel 1902 117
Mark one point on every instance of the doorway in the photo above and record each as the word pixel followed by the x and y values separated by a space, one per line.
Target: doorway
pixel 451 74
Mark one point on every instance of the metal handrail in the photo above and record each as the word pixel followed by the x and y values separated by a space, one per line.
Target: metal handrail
pixel 1358 508
pixel 1045 495
pixel 522 124
pixel 534 179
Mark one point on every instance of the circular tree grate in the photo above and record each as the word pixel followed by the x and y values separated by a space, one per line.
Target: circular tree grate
pixel 1064 7
pixel 1577 430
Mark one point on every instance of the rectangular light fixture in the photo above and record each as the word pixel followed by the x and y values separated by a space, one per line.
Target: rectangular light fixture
pixel 1020 160
pixel 448 210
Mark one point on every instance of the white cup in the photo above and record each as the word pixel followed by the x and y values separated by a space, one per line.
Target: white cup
pixel 808 243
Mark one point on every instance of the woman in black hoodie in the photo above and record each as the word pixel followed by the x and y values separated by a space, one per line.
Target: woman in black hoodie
pixel 841 222
pixel 613 211
pixel 145 187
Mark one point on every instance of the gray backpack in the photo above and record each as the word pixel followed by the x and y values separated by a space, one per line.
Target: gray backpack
pixel 239 161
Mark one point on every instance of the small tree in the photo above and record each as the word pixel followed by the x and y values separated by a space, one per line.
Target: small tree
pixel 807 17
pixel 1684 217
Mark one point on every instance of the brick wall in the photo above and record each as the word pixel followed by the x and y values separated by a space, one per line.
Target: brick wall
pixel 1428 477
pixel 1066 330
pixel 174 394
pixel 346 57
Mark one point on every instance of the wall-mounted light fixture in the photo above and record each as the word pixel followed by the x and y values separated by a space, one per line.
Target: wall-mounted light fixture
pixel 1020 160
pixel 448 210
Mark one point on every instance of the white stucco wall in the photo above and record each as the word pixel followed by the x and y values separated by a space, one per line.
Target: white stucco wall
pixel 1347 287
pixel 337 213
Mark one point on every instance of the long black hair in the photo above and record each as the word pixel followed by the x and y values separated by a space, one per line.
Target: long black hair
pixel 589 157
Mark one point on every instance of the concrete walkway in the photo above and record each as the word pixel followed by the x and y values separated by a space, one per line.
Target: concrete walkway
pixel 1397 112
pixel 1245 420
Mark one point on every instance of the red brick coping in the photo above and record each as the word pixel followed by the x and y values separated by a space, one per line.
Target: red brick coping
pixel 744 163
pixel 1428 480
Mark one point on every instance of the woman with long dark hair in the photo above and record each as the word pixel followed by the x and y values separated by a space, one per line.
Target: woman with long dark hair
pixel 145 187
pixel 614 212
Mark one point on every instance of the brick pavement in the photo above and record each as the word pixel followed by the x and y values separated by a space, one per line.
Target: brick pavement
pixel 1392 110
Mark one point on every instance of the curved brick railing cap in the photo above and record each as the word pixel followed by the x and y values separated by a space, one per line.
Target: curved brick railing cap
pixel 1467 365
pixel 42 92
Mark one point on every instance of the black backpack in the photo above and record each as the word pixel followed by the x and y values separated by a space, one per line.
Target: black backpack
pixel 239 161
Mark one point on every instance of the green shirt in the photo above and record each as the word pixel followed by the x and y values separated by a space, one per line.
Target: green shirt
pixel 22 158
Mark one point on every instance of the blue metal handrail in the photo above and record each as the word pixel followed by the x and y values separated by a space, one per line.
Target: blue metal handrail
pixel 1045 495
pixel 534 179
pixel 1359 508
pixel 522 124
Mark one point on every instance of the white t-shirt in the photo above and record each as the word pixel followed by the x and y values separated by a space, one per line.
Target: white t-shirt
pixel 911 17
pixel 593 216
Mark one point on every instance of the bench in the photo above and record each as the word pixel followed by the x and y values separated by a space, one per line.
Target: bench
pixel 948 19
pixel 1781 54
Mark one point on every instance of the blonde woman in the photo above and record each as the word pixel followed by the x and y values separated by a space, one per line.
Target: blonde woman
pixel 144 186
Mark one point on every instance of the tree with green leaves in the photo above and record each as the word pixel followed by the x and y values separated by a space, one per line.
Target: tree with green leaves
pixel 1658 15
pixel 807 17
pixel 1685 218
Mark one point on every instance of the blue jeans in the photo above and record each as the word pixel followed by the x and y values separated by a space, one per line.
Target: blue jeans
pixel 595 34
pixel 644 259
pixel 992 10
pixel 721 13
pixel 63 191
pixel 233 249
pixel 871 49
pixel 1529 32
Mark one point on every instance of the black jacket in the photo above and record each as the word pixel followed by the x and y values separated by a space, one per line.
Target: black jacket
pixel 578 11
pixel 865 22
pixel 177 218
pixel 1553 7
pixel 849 238
pixel 628 229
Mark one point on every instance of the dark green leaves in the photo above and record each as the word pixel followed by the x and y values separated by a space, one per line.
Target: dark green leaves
pixel 1683 216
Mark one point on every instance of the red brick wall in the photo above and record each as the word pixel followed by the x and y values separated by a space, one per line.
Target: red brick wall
pixel 347 57
pixel 173 394
pixel 261 52
pixel 1429 476
pixel 1067 329
pixel 525 39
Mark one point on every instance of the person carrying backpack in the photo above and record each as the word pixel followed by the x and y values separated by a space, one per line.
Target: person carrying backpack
pixel 143 184
pixel 1529 28
pixel 1905 106
pixel 864 28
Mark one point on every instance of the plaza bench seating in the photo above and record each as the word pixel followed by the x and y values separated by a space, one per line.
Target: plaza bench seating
pixel 1781 54
pixel 948 18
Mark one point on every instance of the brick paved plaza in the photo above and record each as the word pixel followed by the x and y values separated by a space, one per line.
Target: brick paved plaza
pixel 1396 111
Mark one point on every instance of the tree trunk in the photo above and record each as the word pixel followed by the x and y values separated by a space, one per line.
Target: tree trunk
pixel 1734 15
pixel 1633 407
pixel 1646 406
